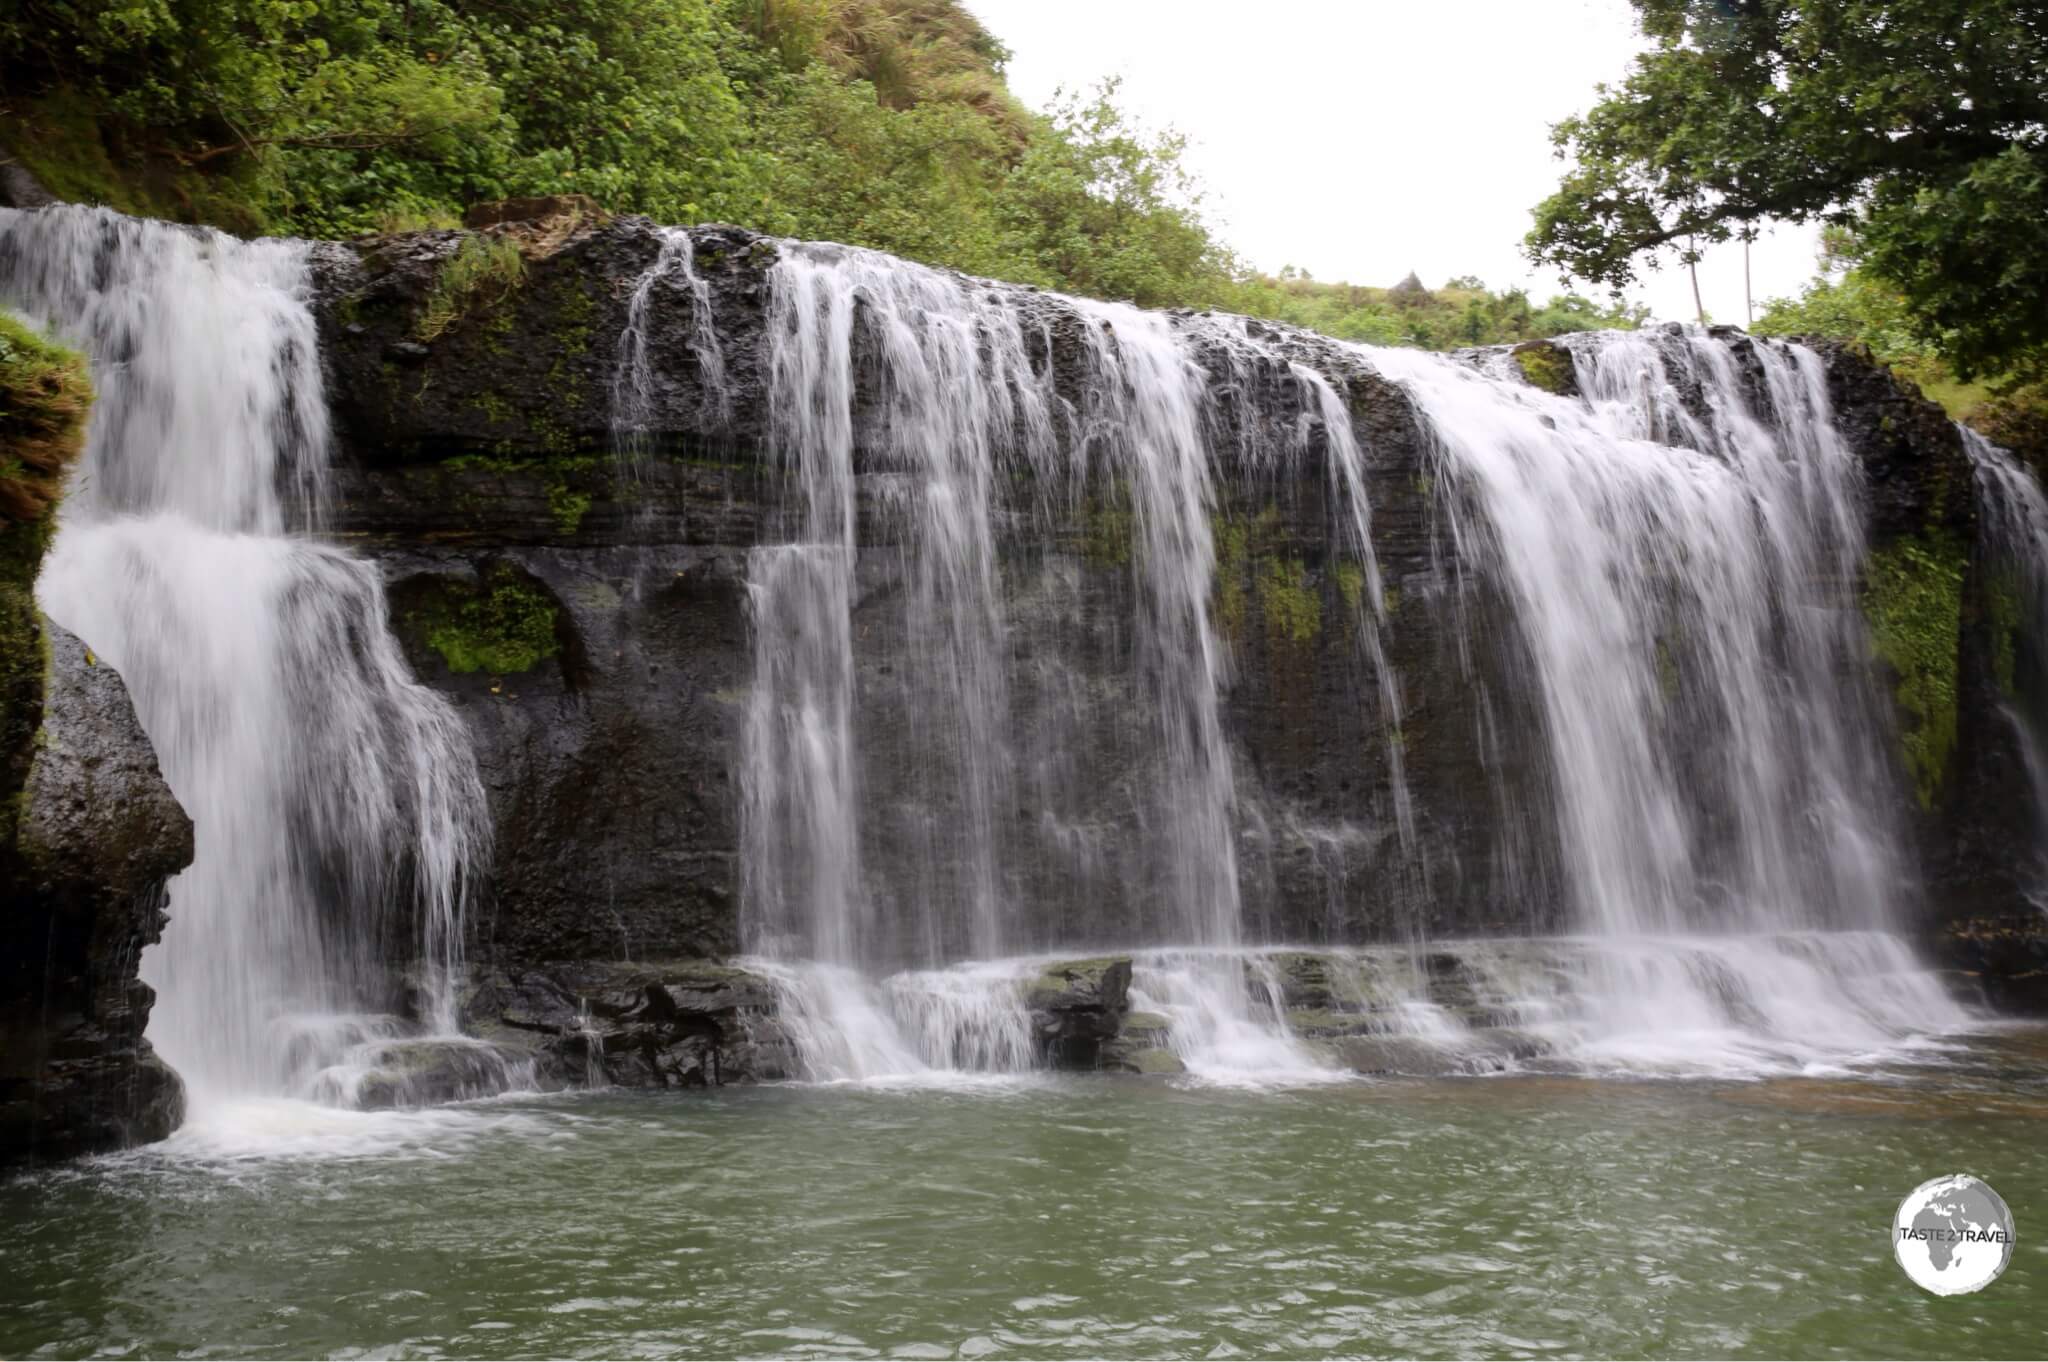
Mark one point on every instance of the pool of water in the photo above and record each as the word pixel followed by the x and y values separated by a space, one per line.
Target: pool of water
pixel 1055 1216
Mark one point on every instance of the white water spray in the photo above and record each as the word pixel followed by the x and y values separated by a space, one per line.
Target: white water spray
pixel 332 796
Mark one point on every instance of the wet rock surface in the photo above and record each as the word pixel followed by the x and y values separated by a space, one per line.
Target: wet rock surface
pixel 1077 1007
pixel 684 1024
pixel 99 833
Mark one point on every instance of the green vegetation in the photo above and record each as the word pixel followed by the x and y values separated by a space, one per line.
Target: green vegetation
pixel 1107 527
pixel 1292 609
pixel 567 507
pixel 882 123
pixel 1913 599
pixel 1919 124
pixel 568 502
pixel 1351 586
pixel 1232 539
pixel 1252 565
pixel 44 398
pixel 1848 301
pixel 501 625
pixel 482 272
pixel 1548 368
pixel 1463 312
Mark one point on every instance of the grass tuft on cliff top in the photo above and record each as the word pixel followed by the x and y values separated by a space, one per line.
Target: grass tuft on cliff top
pixel 45 397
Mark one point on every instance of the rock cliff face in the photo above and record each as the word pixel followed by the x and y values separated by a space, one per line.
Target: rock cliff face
pixel 88 829
pixel 589 613
pixel 99 833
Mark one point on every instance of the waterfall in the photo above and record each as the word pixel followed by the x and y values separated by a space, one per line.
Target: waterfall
pixel 1678 548
pixel 1347 474
pixel 634 411
pixel 914 417
pixel 2013 516
pixel 953 400
pixel 332 796
pixel 1707 778
pixel 1226 1017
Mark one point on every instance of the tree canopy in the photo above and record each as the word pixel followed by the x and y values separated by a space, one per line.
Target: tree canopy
pixel 882 123
pixel 1922 122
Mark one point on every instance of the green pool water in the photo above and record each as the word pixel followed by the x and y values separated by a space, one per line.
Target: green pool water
pixel 1056 1217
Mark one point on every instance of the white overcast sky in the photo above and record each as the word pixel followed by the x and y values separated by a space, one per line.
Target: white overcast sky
pixel 1361 140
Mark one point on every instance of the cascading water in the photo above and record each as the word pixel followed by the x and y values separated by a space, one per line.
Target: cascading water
pixel 633 384
pixel 1678 548
pixel 955 410
pixel 2013 514
pixel 1347 473
pixel 948 408
pixel 330 793
pixel 959 410
pixel 1679 576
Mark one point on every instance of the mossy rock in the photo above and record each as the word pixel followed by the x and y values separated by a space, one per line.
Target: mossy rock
pixel 502 624
pixel 1252 566
pixel 1291 607
pixel 45 396
pixel 1913 602
pixel 483 272
pixel 1145 1024
pixel 1548 366
pixel 1101 982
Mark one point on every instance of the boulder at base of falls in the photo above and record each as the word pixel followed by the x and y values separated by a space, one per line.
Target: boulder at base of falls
pixel 431 1070
pixel 1076 1006
pixel 681 1024
pixel 98 833
pixel 1141 1047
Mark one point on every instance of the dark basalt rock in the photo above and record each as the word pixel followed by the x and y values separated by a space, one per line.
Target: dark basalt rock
pixel 98 835
pixel 687 1024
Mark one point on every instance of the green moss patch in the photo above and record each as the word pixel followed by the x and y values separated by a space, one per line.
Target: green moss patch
pixel 1292 609
pixel 44 398
pixel 2003 621
pixel 1351 584
pixel 1227 602
pixel 1107 527
pixel 1252 566
pixel 1548 367
pixel 567 479
pixel 501 625
pixel 1913 600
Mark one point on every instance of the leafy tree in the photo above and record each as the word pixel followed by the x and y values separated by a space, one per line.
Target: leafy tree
pixel 881 123
pixel 1920 121
pixel 1849 302
pixel 1109 211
